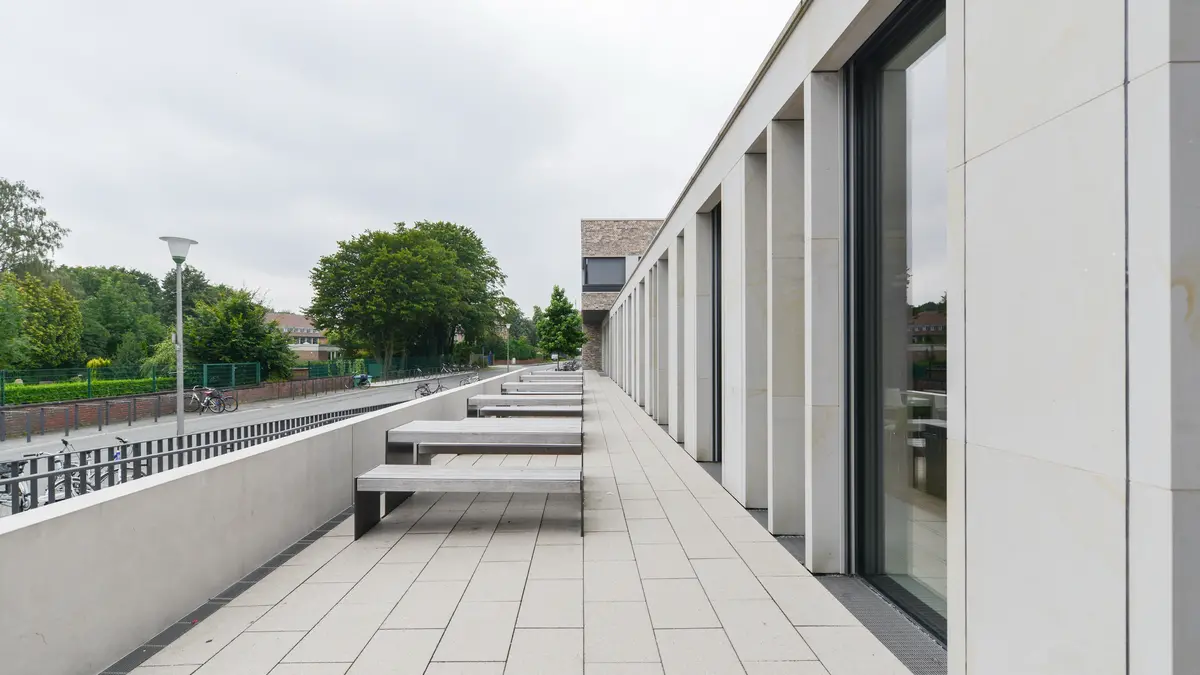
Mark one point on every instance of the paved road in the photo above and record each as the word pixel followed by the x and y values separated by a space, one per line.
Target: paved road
pixel 85 439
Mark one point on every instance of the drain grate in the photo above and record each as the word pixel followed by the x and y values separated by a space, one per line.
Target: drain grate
pixel 919 651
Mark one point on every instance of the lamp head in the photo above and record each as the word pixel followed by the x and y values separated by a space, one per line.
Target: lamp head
pixel 179 248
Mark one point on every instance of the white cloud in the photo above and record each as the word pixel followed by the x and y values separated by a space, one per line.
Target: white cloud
pixel 269 130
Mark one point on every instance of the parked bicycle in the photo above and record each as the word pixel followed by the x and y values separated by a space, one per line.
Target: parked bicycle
pixel 428 388
pixel 204 398
pixel 361 381
pixel 228 400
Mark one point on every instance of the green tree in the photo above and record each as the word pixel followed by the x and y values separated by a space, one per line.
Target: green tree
pixel 27 237
pixel 477 303
pixel 383 290
pixel 195 289
pixel 536 318
pixel 52 324
pixel 522 327
pixel 119 306
pixel 234 329
pixel 130 352
pixel 561 327
pixel 13 344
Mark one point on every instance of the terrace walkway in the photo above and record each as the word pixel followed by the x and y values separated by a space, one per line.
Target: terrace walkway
pixel 673 577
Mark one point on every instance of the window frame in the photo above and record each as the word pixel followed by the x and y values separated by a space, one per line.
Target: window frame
pixel 863 339
pixel 604 287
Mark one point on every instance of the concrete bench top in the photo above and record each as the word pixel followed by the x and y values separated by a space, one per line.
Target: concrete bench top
pixel 542 387
pixel 491 430
pixel 552 376
pixel 525 399
pixel 531 411
pixel 407 478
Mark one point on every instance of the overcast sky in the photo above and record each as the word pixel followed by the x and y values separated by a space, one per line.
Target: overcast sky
pixel 269 130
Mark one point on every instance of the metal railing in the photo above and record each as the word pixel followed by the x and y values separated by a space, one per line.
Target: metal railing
pixel 30 482
pixel 36 420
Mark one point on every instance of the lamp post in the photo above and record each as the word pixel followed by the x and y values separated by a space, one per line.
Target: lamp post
pixel 507 347
pixel 179 250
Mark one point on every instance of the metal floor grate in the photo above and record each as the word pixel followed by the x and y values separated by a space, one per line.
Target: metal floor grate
pixel 919 651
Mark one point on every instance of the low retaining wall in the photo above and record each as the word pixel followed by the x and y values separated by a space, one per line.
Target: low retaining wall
pixel 86 581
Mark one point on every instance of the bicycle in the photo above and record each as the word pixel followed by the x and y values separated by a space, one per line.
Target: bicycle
pixel 423 389
pixel 359 382
pixel 211 401
pixel 228 401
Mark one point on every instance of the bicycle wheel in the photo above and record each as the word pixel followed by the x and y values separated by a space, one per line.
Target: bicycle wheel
pixel 191 404
pixel 230 402
pixel 216 405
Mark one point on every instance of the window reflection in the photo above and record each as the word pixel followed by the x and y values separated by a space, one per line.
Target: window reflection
pixel 912 306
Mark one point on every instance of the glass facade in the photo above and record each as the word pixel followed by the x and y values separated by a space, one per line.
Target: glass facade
pixel 898 231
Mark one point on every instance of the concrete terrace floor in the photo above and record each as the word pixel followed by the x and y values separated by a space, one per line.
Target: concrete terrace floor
pixel 672 577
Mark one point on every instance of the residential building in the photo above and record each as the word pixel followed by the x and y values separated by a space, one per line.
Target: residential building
pixel 610 249
pixel 1029 169
pixel 308 342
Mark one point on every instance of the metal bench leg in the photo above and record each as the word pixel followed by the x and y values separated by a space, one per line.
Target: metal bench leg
pixel 366 511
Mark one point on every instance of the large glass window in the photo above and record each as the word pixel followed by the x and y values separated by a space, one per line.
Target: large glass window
pixel 603 272
pixel 898 232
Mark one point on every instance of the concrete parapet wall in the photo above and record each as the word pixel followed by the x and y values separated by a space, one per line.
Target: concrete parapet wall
pixel 86 581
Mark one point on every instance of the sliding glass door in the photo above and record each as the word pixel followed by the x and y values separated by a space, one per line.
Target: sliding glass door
pixel 897 339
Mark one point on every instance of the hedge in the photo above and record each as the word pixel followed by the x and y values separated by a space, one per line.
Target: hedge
pixel 22 394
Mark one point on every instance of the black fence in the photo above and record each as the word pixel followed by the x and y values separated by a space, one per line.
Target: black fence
pixel 33 481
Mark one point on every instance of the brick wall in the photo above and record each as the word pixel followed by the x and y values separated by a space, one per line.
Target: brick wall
pixel 614 238
pixel 592 349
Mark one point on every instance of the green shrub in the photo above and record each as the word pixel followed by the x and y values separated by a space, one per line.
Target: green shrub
pixel 22 394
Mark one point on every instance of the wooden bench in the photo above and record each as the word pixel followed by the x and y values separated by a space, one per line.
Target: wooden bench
pixel 481 400
pixel 398 482
pixel 531 411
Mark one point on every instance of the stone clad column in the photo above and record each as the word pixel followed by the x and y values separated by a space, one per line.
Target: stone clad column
pixel 675 340
pixel 824 316
pixel 697 339
pixel 785 334
pixel 662 408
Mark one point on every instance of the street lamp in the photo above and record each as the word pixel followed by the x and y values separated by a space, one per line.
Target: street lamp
pixel 507 347
pixel 179 249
